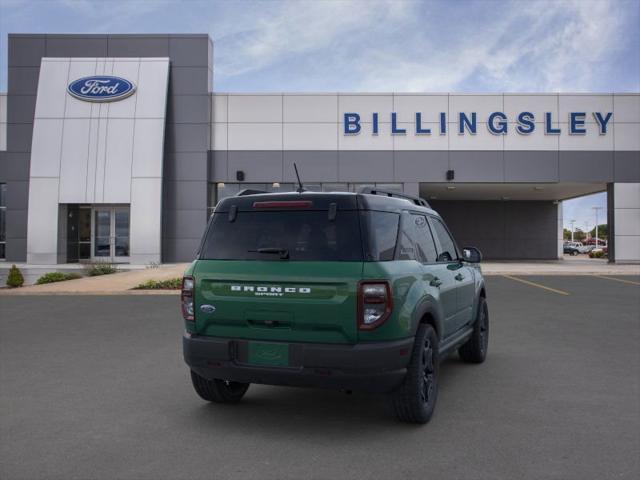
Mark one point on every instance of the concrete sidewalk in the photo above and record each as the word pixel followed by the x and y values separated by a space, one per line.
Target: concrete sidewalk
pixel 115 283
pixel 581 265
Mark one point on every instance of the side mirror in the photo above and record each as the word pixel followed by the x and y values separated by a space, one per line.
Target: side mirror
pixel 471 255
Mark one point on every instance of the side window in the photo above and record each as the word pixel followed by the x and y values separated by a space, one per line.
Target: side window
pixel 383 233
pixel 416 242
pixel 406 248
pixel 447 251
pixel 424 241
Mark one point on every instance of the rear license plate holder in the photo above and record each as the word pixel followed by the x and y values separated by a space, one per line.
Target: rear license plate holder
pixel 266 354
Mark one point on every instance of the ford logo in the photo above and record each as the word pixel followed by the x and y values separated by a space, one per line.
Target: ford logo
pixel 101 88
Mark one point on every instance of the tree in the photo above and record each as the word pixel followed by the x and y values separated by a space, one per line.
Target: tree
pixel 15 278
pixel 603 231
pixel 566 234
pixel 578 235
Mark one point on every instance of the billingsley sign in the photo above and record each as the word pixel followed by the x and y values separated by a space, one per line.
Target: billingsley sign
pixel 497 123
pixel 101 88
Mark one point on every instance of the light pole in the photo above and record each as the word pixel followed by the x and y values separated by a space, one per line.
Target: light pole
pixel 596 210
pixel 572 222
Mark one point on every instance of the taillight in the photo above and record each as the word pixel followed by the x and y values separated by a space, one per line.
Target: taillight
pixel 375 303
pixel 186 298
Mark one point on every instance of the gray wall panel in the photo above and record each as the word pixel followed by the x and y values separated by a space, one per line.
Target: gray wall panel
pixel 586 166
pixel 185 195
pixel 185 166
pixel 503 230
pixel 188 80
pixel 17 195
pixel 185 223
pixel 16 223
pixel 529 166
pixel 431 166
pixel 314 166
pixel 17 247
pixel 626 166
pixel 187 137
pixel 23 80
pixel 218 166
pixel 19 137
pixel 189 51
pixel 365 166
pixel 258 166
pixel 26 50
pixel 138 46
pixel 22 108
pixel 188 109
pixel 15 167
pixel 76 46
pixel 180 249
pixel 477 166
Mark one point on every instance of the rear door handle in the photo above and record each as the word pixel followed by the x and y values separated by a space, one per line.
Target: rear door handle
pixel 459 277
pixel 435 282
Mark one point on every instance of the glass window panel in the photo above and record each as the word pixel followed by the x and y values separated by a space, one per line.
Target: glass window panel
pixel 394 187
pixel 335 187
pixel 304 235
pixel 281 187
pixel 103 233
pixel 2 250
pixel 84 251
pixel 84 224
pixel 224 190
pixel 382 228
pixel 447 251
pixel 356 187
pixel 3 232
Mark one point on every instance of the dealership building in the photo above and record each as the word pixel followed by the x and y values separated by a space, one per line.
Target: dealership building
pixel 117 148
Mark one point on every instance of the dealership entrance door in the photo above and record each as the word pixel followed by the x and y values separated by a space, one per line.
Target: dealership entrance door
pixel 98 233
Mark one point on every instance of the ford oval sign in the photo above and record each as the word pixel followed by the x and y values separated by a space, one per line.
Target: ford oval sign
pixel 101 88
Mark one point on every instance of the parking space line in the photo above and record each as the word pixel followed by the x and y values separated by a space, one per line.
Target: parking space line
pixel 534 284
pixel 631 282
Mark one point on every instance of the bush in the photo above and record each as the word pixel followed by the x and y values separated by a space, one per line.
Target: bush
pixel 96 269
pixel 52 277
pixel 597 254
pixel 170 284
pixel 15 278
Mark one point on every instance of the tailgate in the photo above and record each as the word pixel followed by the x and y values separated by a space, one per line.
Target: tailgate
pixel 277 300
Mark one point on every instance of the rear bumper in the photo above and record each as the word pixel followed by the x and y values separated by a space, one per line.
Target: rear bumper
pixel 368 367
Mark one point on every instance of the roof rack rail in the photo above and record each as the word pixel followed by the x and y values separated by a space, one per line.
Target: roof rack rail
pixel 249 191
pixel 390 193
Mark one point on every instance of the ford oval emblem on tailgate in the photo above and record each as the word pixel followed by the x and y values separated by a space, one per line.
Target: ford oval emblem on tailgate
pixel 207 308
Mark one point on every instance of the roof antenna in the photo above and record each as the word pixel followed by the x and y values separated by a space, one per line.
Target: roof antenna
pixel 300 187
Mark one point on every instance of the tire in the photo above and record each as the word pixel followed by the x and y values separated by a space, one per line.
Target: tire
pixel 574 253
pixel 218 391
pixel 475 349
pixel 415 400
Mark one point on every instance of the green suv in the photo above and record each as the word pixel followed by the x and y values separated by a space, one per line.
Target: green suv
pixel 353 291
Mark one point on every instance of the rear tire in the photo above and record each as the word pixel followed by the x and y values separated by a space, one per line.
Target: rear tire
pixel 218 391
pixel 475 349
pixel 415 400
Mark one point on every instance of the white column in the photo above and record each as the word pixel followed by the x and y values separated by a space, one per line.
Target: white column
pixel 626 222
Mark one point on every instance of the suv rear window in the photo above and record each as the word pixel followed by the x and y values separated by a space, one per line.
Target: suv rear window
pixel 303 235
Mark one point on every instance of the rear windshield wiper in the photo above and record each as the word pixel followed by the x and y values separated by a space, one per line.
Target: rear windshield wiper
pixel 283 252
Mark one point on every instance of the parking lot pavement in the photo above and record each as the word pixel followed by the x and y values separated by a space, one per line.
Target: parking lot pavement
pixel 95 387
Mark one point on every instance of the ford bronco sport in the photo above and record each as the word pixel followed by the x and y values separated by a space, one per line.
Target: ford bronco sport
pixel 353 291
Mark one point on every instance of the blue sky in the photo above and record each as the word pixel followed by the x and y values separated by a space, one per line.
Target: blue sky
pixel 371 45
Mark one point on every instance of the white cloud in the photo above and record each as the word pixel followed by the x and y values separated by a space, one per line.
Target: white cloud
pixel 383 46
